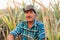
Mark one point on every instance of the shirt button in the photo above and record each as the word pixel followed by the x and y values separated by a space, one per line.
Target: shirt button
pixel 35 25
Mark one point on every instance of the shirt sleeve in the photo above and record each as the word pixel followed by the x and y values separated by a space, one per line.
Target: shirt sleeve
pixel 41 32
pixel 17 30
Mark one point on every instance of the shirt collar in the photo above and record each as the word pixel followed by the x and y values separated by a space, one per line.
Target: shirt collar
pixel 35 22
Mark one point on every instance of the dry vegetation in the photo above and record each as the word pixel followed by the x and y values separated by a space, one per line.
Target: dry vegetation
pixel 50 16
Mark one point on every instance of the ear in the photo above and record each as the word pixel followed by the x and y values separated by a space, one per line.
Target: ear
pixel 36 15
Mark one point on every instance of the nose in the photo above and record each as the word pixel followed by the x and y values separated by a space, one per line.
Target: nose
pixel 28 14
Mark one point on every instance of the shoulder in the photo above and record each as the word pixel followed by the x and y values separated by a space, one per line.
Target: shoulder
pixel 22 22
pixel 40 24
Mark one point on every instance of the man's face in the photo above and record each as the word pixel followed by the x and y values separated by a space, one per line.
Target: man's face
pixel 30 15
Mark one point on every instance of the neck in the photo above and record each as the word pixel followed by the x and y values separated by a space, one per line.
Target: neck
pixel 30 23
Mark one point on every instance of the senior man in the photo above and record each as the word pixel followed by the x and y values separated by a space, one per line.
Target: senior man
pixel 31 29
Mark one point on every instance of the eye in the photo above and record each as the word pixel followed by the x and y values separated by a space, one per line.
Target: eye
pixel 31 11
pixel 26 12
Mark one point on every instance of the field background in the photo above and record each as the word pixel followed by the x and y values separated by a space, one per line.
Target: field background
pixel 49 15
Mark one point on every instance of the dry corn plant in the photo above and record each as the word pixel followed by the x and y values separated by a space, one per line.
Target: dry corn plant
pixel 50 20
pixel 13 16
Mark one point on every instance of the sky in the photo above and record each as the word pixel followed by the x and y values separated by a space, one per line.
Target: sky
pixel 3 3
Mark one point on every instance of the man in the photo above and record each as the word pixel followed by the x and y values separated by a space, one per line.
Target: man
pixel 30 29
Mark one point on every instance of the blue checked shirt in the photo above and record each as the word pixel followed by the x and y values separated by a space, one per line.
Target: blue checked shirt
pixel 37 31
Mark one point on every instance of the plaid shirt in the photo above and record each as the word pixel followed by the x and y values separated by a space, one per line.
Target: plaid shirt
pixel 37 31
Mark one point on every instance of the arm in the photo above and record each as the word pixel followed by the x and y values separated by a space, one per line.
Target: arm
pixel 41 32
pixel 10 37
pixel 13 34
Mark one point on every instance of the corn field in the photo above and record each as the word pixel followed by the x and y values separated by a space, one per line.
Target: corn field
pixel 50 16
